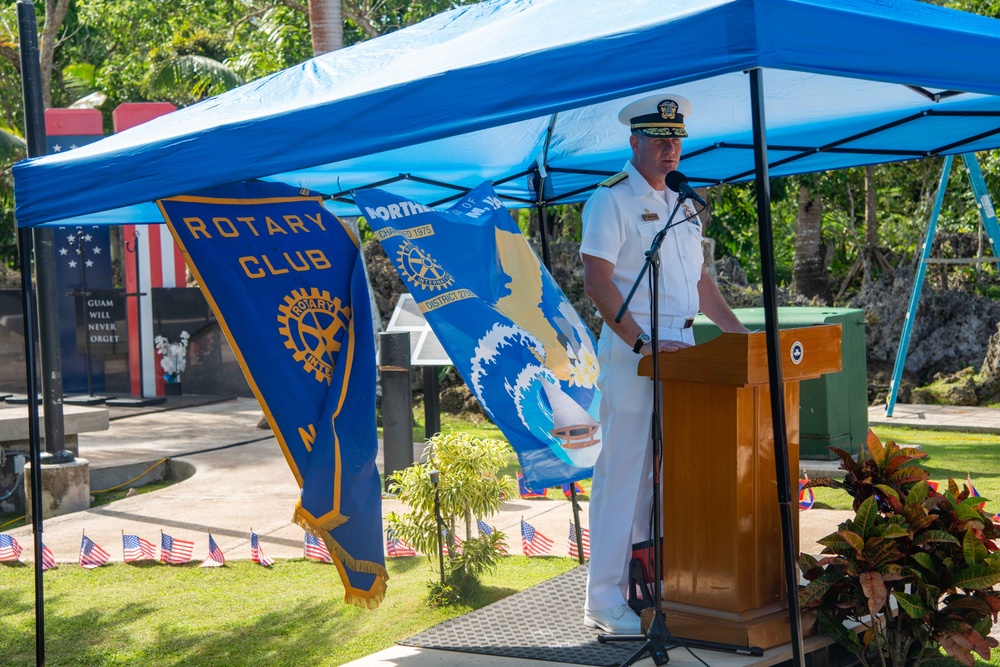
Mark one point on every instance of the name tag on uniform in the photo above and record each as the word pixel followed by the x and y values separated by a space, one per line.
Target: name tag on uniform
pixel 650 216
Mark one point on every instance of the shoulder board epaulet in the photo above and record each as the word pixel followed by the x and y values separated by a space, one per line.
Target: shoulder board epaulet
pixel 617 178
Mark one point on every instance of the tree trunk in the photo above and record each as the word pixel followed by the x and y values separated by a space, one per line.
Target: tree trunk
pixel 871 223
pixel 809 272
pixel 326 25
pixel 55 14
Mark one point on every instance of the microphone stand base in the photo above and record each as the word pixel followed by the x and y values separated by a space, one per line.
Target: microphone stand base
pixel 655 642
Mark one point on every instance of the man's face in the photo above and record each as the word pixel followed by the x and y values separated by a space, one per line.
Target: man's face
pixel 655 157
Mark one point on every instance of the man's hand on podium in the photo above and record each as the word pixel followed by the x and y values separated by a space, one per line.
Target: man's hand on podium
pixel 663 346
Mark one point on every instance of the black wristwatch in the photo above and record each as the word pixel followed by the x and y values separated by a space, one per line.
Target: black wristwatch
pixel 639 342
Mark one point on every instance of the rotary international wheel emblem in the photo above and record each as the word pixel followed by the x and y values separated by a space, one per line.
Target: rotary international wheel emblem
pixel 422 269
pixel 314 326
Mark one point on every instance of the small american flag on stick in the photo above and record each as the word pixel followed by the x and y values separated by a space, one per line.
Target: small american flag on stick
pixel 173 551
pixel 584 539
pixel 532 542
pixel 256 553
pixel 316 549
pixel 91 555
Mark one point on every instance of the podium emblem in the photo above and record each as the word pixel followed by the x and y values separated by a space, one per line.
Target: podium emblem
pixel 797 352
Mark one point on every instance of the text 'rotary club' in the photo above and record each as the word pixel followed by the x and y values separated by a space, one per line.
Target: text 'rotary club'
pixel 274 264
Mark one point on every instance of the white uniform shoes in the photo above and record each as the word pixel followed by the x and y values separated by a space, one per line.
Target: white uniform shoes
pixel 620 620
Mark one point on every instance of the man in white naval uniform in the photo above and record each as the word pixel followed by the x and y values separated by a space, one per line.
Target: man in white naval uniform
pixel 619 223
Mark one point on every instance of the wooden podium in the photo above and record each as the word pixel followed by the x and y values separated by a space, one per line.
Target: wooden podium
pixel 722 553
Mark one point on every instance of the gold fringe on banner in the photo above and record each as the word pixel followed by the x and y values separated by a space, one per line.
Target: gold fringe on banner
pixel 367 599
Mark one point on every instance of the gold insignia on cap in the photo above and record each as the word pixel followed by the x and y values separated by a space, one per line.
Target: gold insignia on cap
pixel 668 109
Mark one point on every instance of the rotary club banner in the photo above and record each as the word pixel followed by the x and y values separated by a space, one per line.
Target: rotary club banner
pixel 285 279
pixel 508 328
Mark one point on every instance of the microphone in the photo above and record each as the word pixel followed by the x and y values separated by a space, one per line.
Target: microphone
pixel 678 182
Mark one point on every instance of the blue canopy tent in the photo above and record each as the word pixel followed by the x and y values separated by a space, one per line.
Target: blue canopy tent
pixel 526 92
pixel 514 89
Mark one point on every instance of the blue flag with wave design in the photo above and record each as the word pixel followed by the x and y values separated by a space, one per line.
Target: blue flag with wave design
pixel 285 279
pixel 508 328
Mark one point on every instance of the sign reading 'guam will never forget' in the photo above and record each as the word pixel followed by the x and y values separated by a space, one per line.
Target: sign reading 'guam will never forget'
pixel 508 328
pixel 286 282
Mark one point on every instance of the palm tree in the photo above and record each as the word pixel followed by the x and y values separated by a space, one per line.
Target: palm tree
pixel 191 78
pixel 809 269
pixel 326 24
pixel 12 147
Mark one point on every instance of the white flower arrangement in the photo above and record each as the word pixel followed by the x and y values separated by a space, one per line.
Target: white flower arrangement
pixel 173 359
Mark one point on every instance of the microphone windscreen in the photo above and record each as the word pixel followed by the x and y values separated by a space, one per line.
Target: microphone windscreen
pixel 674 180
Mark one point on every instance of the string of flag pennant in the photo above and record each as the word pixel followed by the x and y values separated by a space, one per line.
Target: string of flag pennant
pixel 175 551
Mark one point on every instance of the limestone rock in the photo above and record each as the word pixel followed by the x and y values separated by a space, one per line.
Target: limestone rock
pixel 989 372
pixel 458 400
pixel 385 281
pixel 951 329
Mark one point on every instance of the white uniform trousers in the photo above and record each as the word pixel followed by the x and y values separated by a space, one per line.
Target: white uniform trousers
pixel 622 491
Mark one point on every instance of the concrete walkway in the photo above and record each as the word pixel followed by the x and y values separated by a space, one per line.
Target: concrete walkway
pixel 240 481
pixel 937 417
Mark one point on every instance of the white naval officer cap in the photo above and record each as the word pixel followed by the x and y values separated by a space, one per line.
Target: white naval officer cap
pixel 659 115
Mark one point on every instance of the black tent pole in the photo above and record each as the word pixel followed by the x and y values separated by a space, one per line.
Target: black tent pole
pixel 766 235
pixel 543 223
pixel 44 246
pixel 33 118
pixel 34 440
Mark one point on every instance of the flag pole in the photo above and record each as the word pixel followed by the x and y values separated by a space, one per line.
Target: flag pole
pixel 34 134
pixel 540 204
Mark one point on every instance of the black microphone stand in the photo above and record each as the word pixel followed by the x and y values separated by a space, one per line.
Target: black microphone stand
pixel 658 640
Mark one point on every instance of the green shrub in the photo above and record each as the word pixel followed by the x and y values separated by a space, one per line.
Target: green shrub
pixel 934 555
pixel 470 488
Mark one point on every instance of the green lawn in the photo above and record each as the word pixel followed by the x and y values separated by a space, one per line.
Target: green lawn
pixel 949 454
pixel 293 614
pixel 242 615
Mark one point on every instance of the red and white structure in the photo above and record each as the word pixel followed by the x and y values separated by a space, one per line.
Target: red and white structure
pixel 160 264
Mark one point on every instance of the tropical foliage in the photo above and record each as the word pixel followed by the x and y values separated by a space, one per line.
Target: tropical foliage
pixel 469 487
pixel 914 569
pixel 106 52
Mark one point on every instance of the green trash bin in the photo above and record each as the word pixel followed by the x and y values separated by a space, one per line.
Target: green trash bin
pixel 833 409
